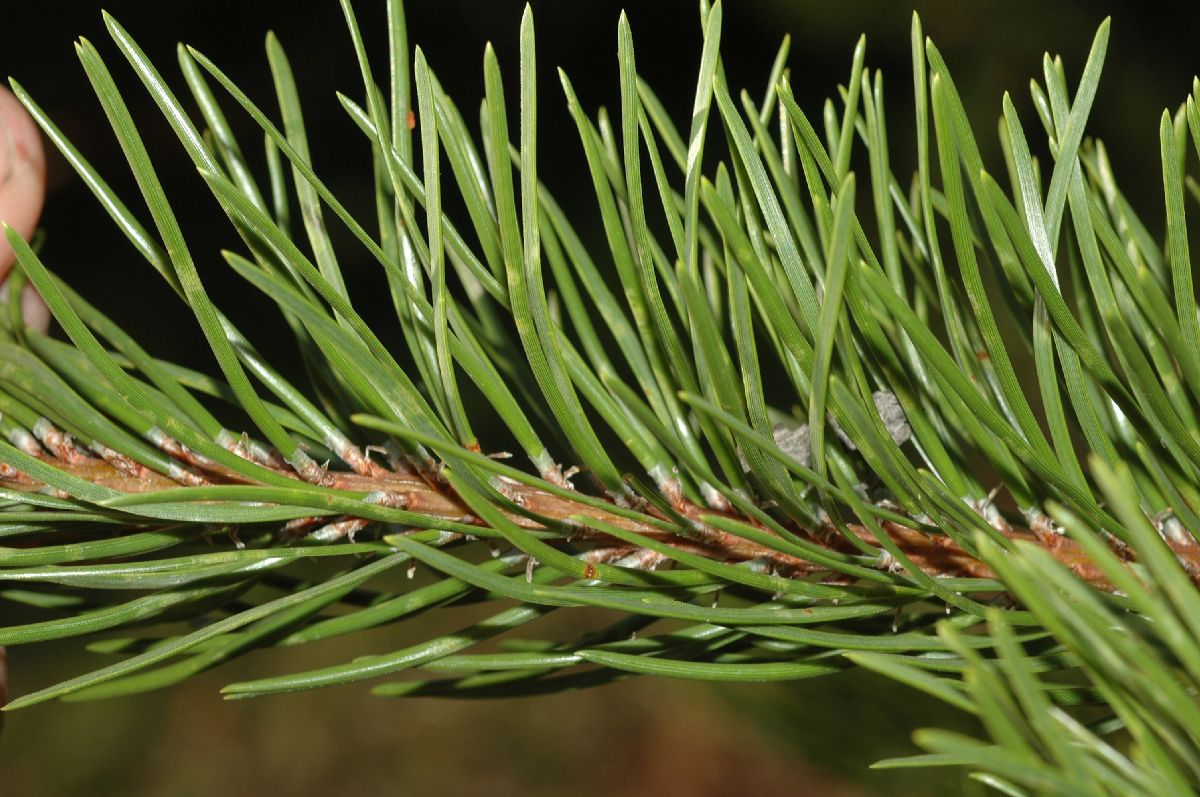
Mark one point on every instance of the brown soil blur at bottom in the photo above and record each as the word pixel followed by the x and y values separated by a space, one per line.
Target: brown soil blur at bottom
pixel 639 737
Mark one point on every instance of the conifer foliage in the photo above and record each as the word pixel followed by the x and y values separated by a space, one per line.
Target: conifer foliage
pixel 783 418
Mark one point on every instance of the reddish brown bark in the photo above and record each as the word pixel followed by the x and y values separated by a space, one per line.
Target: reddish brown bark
pixel 935 554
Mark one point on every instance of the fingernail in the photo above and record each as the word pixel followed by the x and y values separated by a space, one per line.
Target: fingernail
pixel 33 308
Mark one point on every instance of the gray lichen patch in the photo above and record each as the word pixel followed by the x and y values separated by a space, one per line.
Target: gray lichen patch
pixel 794 440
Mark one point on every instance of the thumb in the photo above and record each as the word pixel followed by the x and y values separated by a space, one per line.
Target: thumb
pixel 22 190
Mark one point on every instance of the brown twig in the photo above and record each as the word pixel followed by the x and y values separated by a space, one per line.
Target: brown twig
pixel 935 554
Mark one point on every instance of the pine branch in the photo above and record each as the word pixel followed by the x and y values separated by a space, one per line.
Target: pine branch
pixel 781 421
pixel 936 555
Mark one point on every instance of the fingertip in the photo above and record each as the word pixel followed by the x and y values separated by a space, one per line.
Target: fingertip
pixel 20 139
pixel 22 173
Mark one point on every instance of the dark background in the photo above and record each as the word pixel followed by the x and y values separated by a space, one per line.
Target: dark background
pixel 636 737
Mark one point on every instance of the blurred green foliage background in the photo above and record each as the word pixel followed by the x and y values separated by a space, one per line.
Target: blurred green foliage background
pixel 636 737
